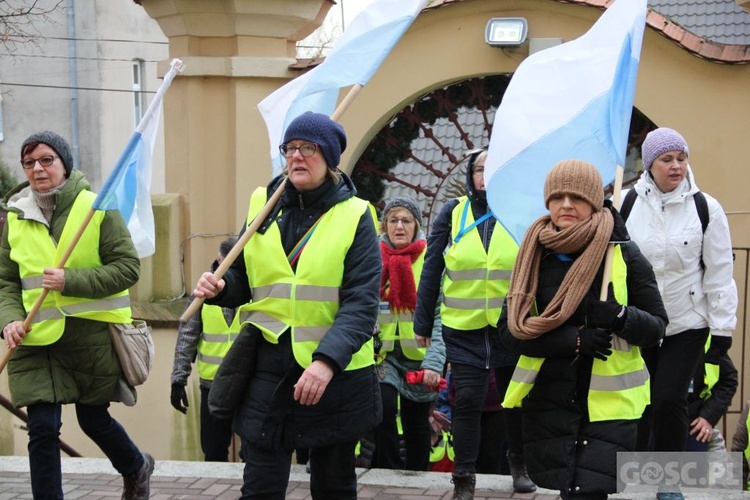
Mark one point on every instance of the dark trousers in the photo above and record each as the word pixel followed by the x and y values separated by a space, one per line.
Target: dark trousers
pixel 332 474
pixel 416 426
pixel 664 425
pixel 471 384
pixel 216 434
pixel 45 421
pixel 491 458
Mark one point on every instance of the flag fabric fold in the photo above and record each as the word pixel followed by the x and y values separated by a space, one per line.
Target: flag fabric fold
pixel 127 188
pixel 354 58
pixel 570 101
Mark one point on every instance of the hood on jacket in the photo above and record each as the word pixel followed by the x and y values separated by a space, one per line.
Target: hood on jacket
pixel 474 195
pixel 21 200
pixel 646 183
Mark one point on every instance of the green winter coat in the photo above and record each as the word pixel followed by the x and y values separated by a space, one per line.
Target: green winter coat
pixel 81 367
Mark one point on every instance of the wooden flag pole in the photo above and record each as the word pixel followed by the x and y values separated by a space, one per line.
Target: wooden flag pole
pixel 609 256
pixel 262 215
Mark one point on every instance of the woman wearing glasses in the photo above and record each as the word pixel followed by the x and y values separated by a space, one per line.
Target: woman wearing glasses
pixel 69 358
pixel 409 374
pixel 308 282
pixel 469 258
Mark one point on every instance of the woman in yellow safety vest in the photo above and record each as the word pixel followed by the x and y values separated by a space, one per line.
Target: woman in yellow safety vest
pixel 308 282
pixel 204 340
pixel 466 271
pixel 67 355
pixel 581 381
pixel 402 247
pixel 709 396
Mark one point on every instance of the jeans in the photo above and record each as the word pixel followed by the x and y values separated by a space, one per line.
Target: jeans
pixel 664 425
pixel 216 434
pixel 416 426
pixel 45 421
pixel 332 474
pixel 471 390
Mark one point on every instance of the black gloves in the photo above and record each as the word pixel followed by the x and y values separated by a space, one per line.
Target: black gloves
pixel 607 315
pixel 594 343
pixel 178 398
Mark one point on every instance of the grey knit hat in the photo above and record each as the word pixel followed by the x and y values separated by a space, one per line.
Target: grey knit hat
pixel 404 202
pixel 320 129
pixel 660 141
pixel 56 142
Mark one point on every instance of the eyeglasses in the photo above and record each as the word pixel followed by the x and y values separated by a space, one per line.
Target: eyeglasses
pixel 45 161
pixel 478 171
pixel 404 221
pixel 306 150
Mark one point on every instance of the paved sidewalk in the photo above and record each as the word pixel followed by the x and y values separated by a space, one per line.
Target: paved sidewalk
pixel 96 479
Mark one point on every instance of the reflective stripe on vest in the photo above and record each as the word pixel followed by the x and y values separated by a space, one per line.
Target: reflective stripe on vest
pixel 33 249
pixel 475 281
pixel 216 339
pixel 306 299
pixel 619 387
pixel 444 447
pixel 399 326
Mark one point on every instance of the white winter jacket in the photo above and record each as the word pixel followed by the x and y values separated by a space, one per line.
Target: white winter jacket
pixel 672 239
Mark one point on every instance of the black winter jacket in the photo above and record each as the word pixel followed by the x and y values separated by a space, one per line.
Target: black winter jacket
pixel 480 347
pixel 563 450
pixel 268 416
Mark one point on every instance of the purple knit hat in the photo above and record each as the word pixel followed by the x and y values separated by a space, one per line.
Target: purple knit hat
pixel 660 141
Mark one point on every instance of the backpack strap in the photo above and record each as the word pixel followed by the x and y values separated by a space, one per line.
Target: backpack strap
pixel 627 204
pixel 702 207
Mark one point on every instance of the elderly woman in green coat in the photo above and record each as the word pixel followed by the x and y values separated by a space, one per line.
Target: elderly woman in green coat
pixel 66 356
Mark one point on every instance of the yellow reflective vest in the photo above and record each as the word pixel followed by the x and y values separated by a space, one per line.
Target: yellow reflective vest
pixel 475 281
pixel 33 249
pixel 216 339
pixel 711 374
pixel 442 448
pixel 619 388
pixel 399 325
pixel 305 300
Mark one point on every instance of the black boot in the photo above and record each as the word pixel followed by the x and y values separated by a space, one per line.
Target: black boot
pixel 138 485
pixel 463 485
pixel 521 481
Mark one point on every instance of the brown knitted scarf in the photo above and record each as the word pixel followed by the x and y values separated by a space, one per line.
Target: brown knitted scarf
pixel 589 237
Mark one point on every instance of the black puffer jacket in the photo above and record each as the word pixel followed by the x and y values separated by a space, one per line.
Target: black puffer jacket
pixel 350 406
pixel 480 347
pixel 563 450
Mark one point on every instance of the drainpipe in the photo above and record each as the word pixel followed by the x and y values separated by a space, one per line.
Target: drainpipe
pixel 73 70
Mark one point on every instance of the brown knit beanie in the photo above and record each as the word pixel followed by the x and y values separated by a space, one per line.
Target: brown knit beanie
pixel 575 177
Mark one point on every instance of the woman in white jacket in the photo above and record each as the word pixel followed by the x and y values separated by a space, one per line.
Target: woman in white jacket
pixel 694 272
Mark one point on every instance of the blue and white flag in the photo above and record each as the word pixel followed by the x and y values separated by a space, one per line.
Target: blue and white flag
pixel 354 58
pixel 128 185
pixel 569 101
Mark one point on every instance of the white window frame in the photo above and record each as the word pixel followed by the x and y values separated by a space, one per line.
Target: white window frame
pixel 139 100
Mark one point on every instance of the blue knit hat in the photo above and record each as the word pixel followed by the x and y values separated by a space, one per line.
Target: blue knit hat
pixel 320 129
pixel 56 142
pixel 660 141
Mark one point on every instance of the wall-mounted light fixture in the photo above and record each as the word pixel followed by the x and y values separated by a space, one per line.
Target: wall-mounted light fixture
pixel 506 31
